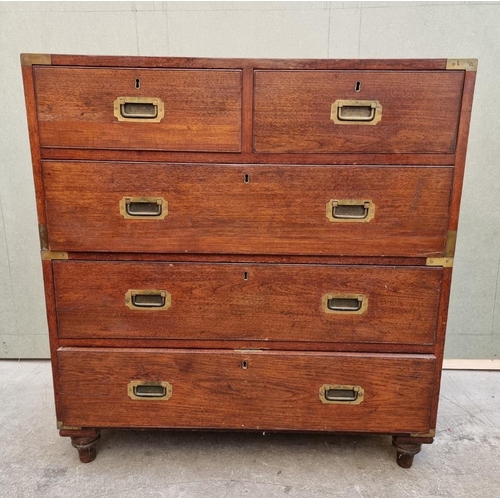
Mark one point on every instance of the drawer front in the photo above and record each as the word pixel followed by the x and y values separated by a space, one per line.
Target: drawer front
pixel 248 209
pixel 238 390
pixel 415 112
pixel 201 109
pixel 318 303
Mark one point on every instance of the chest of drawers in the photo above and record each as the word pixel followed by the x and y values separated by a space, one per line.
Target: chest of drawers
pixel 247 244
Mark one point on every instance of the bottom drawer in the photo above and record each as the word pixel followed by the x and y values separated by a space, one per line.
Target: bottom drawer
pixel 246 390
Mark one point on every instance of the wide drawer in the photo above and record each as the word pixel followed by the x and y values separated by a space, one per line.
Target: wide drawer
pixel 320 303
pixel 301 210
pixel 148 109
pixel 322 111
pixel 242 390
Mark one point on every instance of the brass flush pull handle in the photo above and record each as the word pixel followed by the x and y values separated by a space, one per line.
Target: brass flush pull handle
pixel 141 300
pixel 354 112
pixel 148 300
pixel 141 207
pixel 350 210
pixel 341 394
pixel 151 390
pixel 344 303
pixel 146 209
pixel 139 109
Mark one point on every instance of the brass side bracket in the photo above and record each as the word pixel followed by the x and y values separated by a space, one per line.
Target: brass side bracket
pixel 31 59
pixel 430 434
pixel 439 262
pixel 48 255
pixel 451 242
pixel 44 236
pixel 61 426
pixel 462 64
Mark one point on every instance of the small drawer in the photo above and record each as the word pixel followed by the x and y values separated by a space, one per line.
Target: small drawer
pixel 280 210
pixel 241 390
pixel 315 303
pixel 356 111
pixel 145 109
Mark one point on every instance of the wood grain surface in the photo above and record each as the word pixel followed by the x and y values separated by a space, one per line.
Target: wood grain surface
pixel 247 302
pixel 287 345
pixel 423 159
pixel 420 111
pixel 247 351
pixel 281 210
pixel 262 258
pixel 277 390
pixel 202 109
pixel 249 63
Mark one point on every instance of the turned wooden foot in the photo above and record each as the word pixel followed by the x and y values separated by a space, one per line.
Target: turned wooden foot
pixel 407 448
pixel 85 441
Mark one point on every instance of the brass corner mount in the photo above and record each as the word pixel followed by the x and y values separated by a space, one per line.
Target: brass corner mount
pixel 462 64
pixel 31 59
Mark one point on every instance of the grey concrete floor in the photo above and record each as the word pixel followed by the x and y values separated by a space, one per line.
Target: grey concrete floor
pixel 464 460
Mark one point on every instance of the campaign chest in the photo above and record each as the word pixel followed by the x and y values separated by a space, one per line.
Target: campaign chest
pixel 247 244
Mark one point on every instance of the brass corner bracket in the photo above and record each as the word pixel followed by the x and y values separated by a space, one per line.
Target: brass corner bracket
pixel 31 59
pixel 49 255
pixel 462 64
pixel 44 245
pixel 449 252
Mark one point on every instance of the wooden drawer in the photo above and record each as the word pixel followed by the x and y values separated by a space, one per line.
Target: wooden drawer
pixel 247 302
pixel 236 390
pixel 248 209
pixel 419 111
pixel 76 108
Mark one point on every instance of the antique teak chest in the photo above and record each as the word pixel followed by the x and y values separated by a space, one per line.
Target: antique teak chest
pixel 247 244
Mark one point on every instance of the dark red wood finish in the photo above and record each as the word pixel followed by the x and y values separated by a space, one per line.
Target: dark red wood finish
pixel 281 209
pixel 76 109
pixel 247 302
pixel 276 390
pixel 247 157
pixel 420 111
pixel 221 63
pixel 411 421
pixel 265 345
pixel 458 178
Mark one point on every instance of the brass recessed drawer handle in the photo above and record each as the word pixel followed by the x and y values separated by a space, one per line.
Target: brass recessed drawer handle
pixel 142 207
pixel 148 299
pixel 151 390
pixel 354 112
pixel 350 210
pixel 135 208
pixel 344 303
pixel 337 304
pixel 341 394
pixel 139 109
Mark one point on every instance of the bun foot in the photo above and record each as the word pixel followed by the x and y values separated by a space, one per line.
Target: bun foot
pixel 85 441
pixel 405 460
pixel 87 448
pixel 406 449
